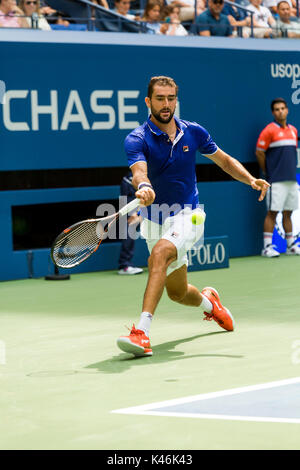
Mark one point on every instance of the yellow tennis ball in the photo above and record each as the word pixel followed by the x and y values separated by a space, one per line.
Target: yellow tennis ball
pixel 198 218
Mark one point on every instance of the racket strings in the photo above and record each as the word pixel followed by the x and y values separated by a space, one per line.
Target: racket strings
pixel 77 244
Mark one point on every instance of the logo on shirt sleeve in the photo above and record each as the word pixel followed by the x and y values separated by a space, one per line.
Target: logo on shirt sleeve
pixel 185 148
pixel 262 142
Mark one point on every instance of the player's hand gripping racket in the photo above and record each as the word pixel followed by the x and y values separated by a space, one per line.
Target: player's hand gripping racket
pixel 78 242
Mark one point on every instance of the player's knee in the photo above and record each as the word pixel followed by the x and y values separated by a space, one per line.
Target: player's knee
pixel 176 295
pixel 160 257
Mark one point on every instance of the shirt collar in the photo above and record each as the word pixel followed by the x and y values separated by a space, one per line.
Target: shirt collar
pixel 153 128
pixel 279 125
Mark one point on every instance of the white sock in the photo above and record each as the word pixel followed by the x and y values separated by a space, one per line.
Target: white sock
pixel 206 304
pixel 145 322
pixel 289 239
pixel 268 237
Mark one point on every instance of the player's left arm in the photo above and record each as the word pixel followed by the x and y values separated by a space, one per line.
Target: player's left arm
pixel 235 169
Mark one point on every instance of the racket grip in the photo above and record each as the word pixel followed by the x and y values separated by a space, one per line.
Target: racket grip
pixel 129 207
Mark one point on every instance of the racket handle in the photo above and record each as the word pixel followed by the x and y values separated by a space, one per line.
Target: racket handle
pixel 129 207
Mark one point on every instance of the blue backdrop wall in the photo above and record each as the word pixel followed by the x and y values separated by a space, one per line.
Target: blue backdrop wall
pixel 71 98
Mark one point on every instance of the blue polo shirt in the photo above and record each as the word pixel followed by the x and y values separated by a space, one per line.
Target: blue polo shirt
pixel 237 13
pixel 207 22
pixel 171 165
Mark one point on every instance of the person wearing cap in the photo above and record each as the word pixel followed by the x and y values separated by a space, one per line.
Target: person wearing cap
pixel 286 25
pixel 212 22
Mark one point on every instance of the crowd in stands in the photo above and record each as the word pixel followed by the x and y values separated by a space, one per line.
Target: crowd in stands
pixel 243 18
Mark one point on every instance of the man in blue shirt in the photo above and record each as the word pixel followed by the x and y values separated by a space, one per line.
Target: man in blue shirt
pixel 127 242
pixel 161 154
pixel 212 22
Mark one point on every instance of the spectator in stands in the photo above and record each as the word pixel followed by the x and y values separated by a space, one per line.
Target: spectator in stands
pixel 122 7
pixel 212 22
pixel 46 10
pixel 286 25
pixel 237 18
pixel 187 8
pixel 271 4
pixel 293 4
pixel 33 6
pixel 101 3
pixel 172 25
pixel 243 3
pixel 11 15
pixel 201 6
pixel 61 19
pixel 263 20
pixel 152 15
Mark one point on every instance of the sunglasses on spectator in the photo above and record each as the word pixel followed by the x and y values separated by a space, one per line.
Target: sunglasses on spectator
pixel 31 2
pixel 218 2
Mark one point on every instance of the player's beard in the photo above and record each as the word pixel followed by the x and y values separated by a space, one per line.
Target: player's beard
pixel 158 117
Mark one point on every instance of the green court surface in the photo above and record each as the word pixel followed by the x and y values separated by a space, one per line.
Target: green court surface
pixel 62 375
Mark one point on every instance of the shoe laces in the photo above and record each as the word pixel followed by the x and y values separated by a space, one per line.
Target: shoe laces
pixel 271 245
pixel 134 331
pixel 208 316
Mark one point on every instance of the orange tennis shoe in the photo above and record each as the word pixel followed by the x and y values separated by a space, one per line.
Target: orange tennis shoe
pixel 219 313
pixel 136 343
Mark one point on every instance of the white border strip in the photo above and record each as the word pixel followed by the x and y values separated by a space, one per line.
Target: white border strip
pixel 148 409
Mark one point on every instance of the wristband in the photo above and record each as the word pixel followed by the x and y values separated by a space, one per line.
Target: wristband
pixel 144 184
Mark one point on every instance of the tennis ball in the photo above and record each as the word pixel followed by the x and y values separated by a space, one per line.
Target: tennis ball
pixel 198 218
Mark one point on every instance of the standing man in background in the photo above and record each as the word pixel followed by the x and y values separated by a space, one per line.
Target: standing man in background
pixel 276 152
pixel 127 246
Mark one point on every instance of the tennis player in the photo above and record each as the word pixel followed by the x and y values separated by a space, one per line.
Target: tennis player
pixel 161 154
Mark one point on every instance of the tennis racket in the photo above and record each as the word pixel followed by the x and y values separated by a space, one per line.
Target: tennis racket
pixel 79 241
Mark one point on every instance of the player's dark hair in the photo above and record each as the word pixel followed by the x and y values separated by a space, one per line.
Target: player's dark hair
pixel 162 81
pixel 278 100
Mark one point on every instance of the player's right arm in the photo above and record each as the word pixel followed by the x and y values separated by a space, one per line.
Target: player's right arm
pixel 136 151
pixel 141 182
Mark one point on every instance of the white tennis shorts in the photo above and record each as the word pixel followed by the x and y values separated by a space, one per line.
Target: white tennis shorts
pixel 283 196
pixel 179 230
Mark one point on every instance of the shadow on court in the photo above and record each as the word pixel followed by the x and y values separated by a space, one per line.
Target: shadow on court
pixel 161 353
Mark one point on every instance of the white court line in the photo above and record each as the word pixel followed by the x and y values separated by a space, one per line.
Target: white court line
pixel 148 409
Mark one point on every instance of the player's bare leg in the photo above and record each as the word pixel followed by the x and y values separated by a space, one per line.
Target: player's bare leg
pixel 162 255
pixel 208 299
pixel 138 343
pixel 180 291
